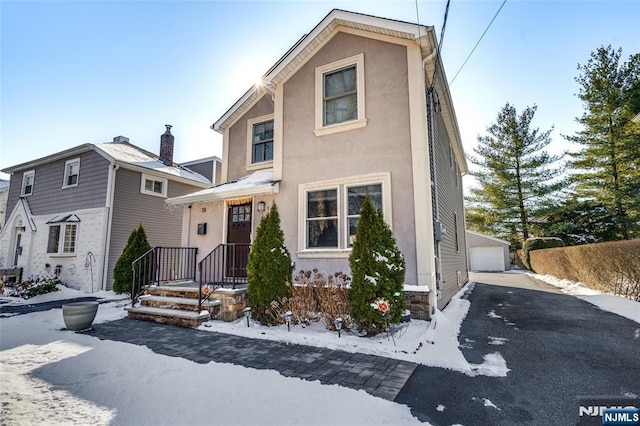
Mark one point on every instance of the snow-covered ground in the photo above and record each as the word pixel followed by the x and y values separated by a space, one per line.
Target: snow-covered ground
pixel 53 376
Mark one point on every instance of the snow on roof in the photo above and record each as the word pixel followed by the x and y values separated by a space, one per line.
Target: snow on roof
pixel 127 153
pixel 64 218
pixel 259 182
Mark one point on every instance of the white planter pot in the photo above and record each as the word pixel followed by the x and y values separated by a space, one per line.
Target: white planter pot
pixel 79 315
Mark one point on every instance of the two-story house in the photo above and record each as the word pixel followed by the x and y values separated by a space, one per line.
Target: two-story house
pixel 359 105
pixel 71 213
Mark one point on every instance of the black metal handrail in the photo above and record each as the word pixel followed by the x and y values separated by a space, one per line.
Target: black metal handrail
pixel 226 265
pixel 162 264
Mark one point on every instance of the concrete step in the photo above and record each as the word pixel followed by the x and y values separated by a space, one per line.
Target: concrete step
pixel 180 303
pixel 169 316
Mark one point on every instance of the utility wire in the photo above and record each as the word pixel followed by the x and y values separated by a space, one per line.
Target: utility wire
pixel 444 25
pixel 479 40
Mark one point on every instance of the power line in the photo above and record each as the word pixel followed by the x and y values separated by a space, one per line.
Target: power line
pixel 479 40
pixel 444 25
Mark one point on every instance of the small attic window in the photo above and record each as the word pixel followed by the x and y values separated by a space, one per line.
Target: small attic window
pixel 152 185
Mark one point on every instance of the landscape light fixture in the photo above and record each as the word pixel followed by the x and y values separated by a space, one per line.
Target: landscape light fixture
pixel 338 323
pixel 247 314
pixel 287 317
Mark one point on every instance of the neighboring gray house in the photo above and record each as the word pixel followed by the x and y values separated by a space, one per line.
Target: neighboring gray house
pixel 487 253
pixel 73 211
pixel 4 193
pixel 345 112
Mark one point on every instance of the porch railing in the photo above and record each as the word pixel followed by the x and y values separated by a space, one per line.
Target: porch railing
pixel 225 266
pixel 160 265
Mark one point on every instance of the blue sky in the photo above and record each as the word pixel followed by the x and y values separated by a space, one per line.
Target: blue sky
pixel 77 72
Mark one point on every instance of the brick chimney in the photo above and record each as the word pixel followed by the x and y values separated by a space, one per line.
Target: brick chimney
pixel 166 146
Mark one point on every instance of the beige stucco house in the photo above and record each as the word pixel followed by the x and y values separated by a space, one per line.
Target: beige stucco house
pixel 359 105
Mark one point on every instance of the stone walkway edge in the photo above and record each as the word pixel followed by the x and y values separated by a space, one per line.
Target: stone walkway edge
pixel 378 376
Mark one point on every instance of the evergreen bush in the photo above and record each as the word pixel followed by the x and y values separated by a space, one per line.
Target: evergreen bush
pixel 137 245
pixel 377 268
pixel 537 244
pixel 269 268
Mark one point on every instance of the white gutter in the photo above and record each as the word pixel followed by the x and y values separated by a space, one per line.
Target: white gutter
pixel 111 184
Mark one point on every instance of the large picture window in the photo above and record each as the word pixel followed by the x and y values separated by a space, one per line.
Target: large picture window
pixel 340 100
pixel 322 218
pixel 331 211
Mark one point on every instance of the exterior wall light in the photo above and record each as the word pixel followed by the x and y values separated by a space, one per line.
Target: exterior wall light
pixel 261 206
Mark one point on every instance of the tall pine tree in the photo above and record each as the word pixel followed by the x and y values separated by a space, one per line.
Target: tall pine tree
pixel 515 176
pixel 608 161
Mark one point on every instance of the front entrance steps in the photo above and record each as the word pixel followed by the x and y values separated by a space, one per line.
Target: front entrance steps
pixel 177 305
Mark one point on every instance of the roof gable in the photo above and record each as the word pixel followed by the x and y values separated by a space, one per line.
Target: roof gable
pixel 310 43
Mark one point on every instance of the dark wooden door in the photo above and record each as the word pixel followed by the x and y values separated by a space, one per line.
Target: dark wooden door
pixel 238 232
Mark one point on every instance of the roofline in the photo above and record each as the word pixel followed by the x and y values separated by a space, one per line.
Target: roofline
pixel 52 157
pixel 336 14
pixel 488 237
pixel 164 175
pixel 200 160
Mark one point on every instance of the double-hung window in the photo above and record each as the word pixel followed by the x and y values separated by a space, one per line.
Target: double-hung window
pixel 260 142
pixel 71 173
pixel 62 238
pixel 340 97
pixel 27 182
pixel 330 212
pixel 153 186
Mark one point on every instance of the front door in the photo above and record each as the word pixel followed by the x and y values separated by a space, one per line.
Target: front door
pixel 238 232
pixel 18 249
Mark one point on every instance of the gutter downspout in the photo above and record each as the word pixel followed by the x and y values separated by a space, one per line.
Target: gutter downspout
pixel 111 184
pixel 435 293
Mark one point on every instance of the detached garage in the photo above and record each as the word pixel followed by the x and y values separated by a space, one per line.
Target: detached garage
pixel 487 253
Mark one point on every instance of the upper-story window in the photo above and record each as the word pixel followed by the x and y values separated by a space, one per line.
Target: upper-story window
pixel 152 185
pixel 27 182
pixel 260 142
pixel 71 173
pixel 340 96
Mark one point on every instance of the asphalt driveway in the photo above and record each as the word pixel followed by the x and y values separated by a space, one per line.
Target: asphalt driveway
pixel 557 347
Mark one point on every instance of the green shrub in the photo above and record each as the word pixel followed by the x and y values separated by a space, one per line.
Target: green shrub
pixel 137 245
pixel 42 287
pixel 531 244
pixel 377 269
pixel 269 269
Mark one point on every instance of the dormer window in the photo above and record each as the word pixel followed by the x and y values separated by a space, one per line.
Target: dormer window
pixel 27 182
pixel 71 173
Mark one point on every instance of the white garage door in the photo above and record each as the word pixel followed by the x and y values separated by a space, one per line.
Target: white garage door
pixel 486 258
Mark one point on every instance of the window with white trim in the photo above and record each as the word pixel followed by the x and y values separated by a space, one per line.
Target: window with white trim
pixel 27 182
pixel 71 173
pixel 62 238
pixel 330 210
pixel 153 186
pixel 340 96
pixel 260 142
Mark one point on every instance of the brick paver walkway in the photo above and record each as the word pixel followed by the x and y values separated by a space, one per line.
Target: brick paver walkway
pixel 379 376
